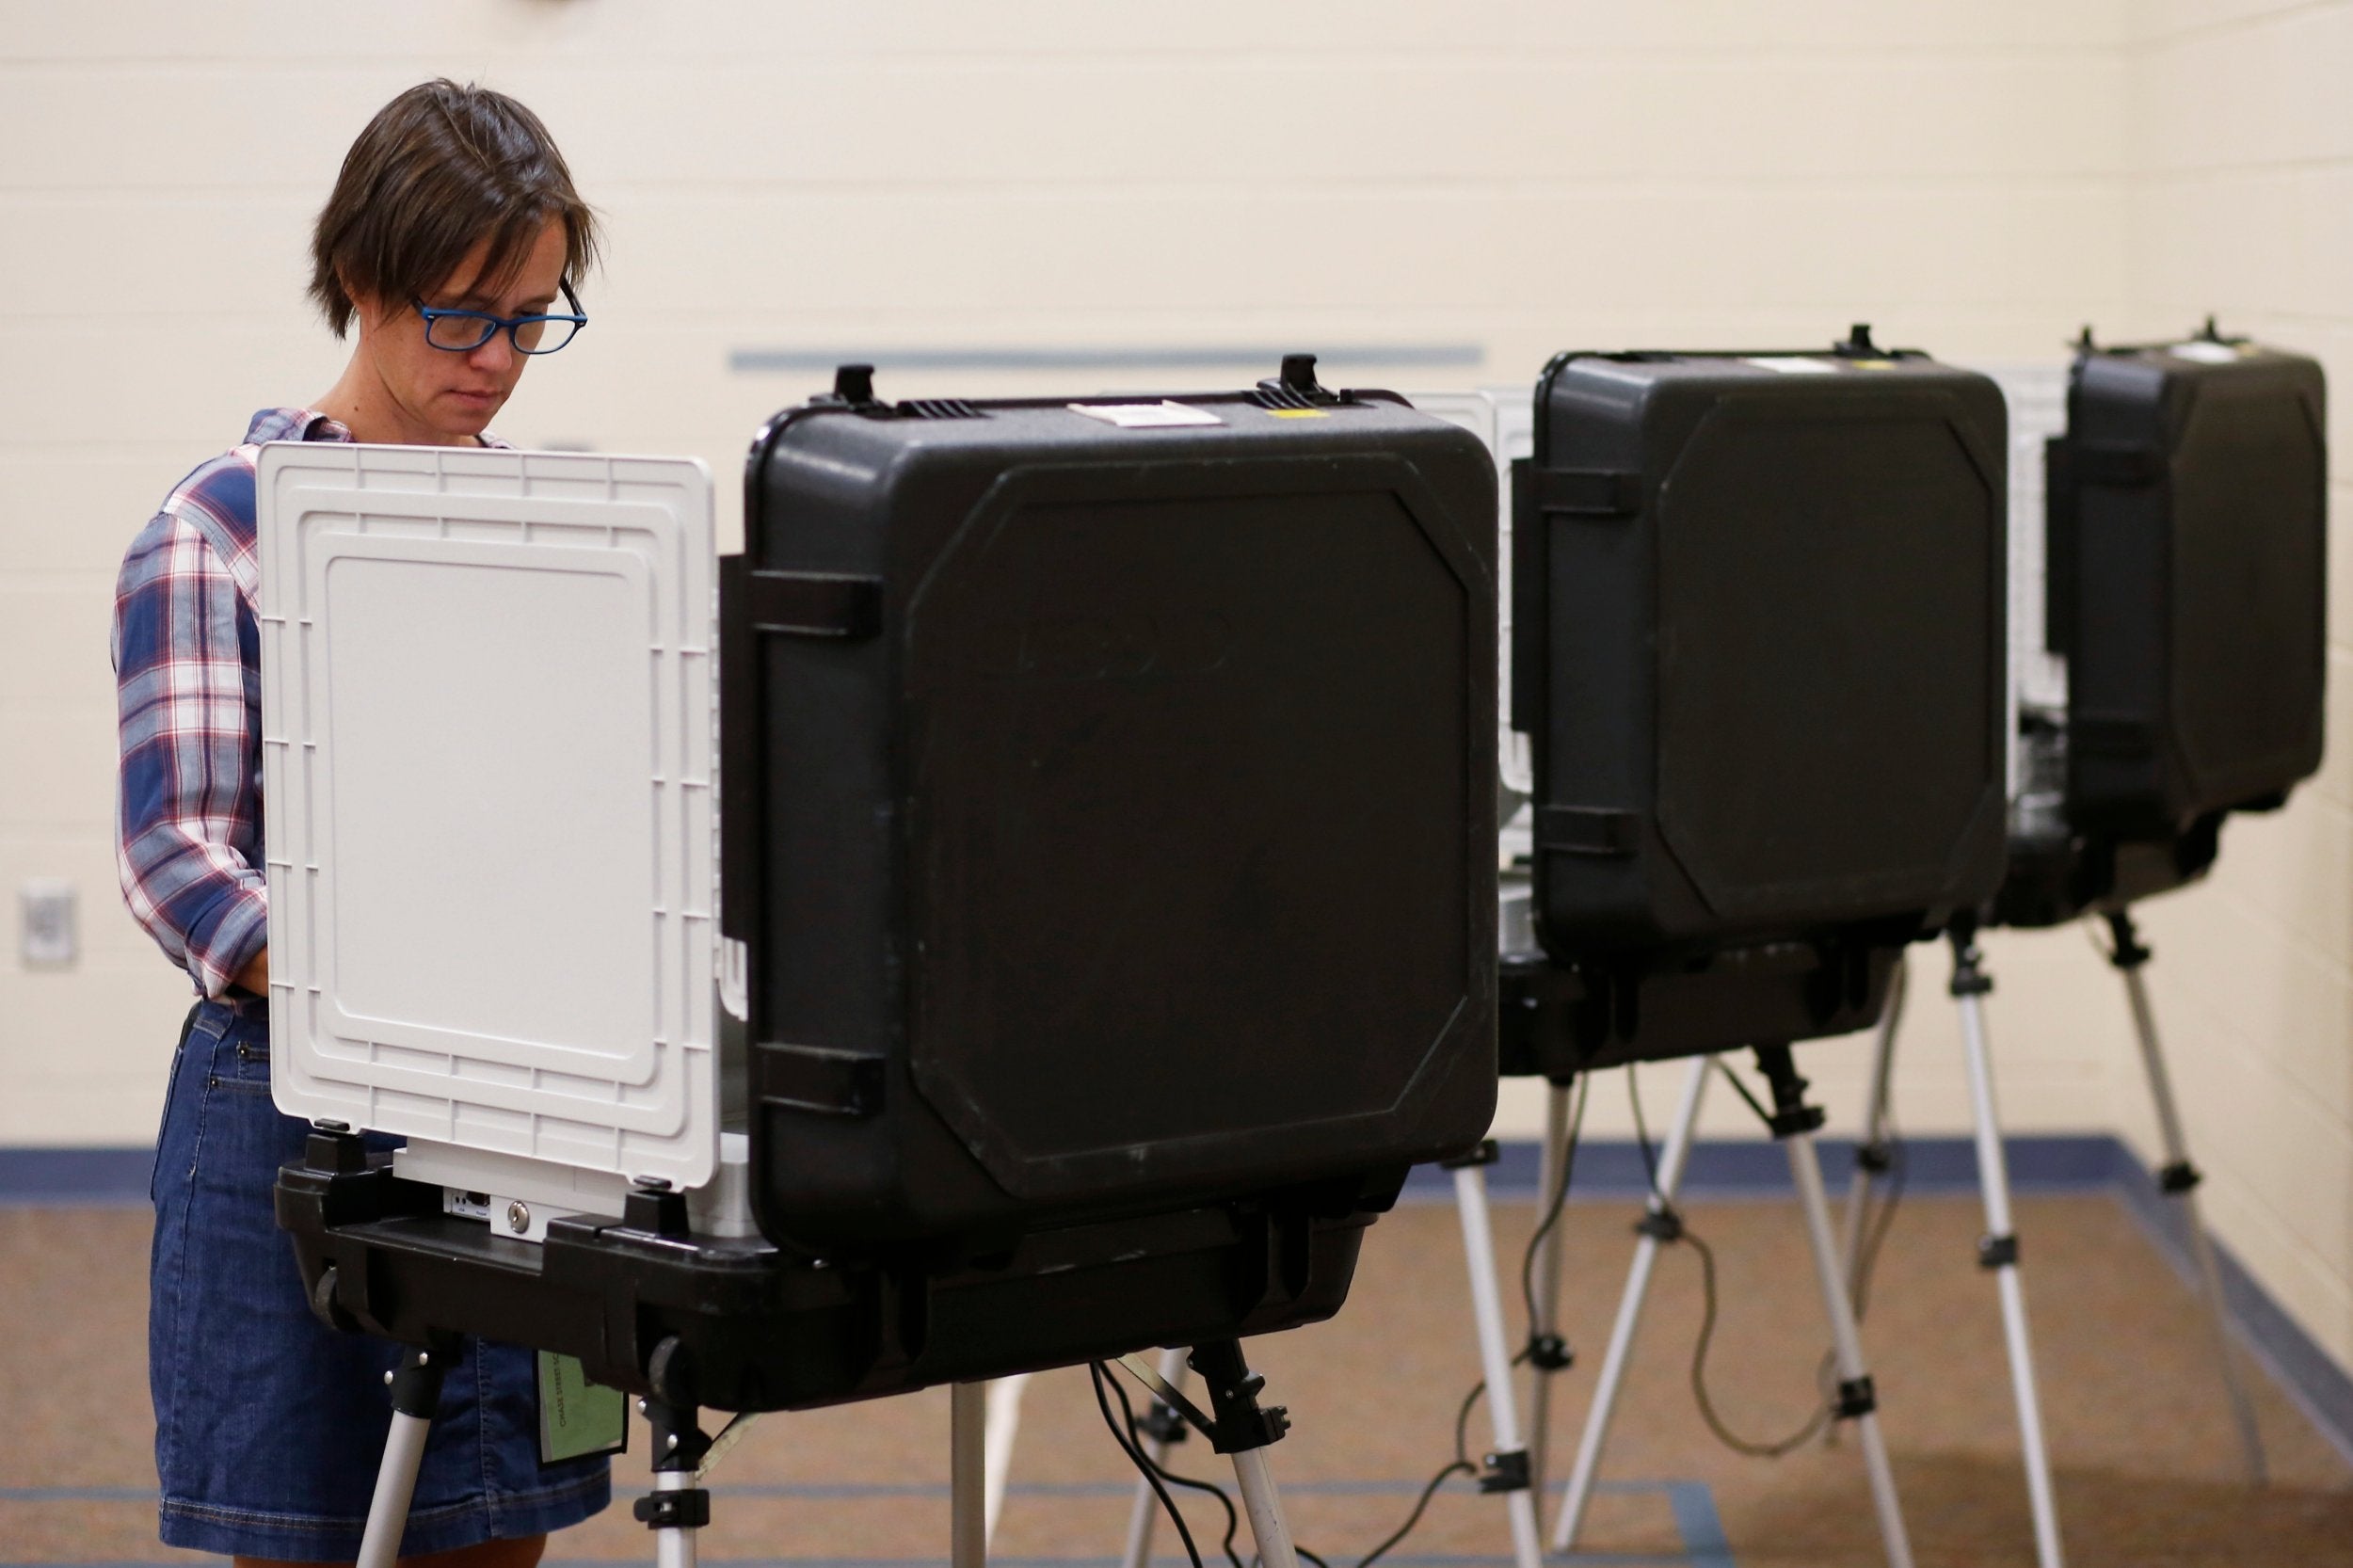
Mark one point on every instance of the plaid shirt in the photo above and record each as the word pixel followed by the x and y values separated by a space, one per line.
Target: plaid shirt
pixel 188 693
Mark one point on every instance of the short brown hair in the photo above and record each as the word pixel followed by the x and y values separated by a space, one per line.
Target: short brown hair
pixel 440 168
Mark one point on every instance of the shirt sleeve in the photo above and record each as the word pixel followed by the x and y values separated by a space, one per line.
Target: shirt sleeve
pixel 187 688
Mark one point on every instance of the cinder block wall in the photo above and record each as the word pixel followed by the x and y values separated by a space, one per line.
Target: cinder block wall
pixel 1472 187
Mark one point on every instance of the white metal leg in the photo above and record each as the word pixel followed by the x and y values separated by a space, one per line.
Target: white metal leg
pixel 674 1546
pixel 1002 1426
pixel 1143 1515
pixel 2180 1178
pixel 1479 1255
pixel 1265 1507
pixel 1548 1321
pixel 1869 1148
pixel 1805 1167
pixel 1671 1166
pixel 967 1484
pixel 2001 1248
pixel 395 1484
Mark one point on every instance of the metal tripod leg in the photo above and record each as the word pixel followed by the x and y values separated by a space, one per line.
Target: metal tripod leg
pixel 1870 1155
pixel 1002 1426
pixel 967 1475
pixel 1245 1431
pixel 1793 1123
pixel 1671 1166
pixel 1998 1251
pixel 1159 1429
pixel 416 1385
pixel 1506 1469
pixel 1548 1354
pixel 678 1507
pixel 2179 1178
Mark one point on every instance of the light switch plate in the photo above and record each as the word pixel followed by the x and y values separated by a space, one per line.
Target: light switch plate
pixel 46 920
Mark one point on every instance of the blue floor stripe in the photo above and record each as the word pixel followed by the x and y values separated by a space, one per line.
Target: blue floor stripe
pixel 1698 1523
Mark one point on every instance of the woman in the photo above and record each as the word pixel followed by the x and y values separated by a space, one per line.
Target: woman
pixel 452 241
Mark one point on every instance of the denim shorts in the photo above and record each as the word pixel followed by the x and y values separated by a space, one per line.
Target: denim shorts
pixel 269 1426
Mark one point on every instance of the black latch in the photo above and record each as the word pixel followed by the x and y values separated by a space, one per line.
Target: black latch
pixel 820 1079
pixel 1587 830
pixel 1296 387
pixel 1857 343
pixel 653 1209
pixel 853 388
pixel 1587 492
pixel 813 604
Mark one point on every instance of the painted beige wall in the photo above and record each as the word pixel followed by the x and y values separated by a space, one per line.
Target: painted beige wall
pixel 2241 138
pixel 1976 176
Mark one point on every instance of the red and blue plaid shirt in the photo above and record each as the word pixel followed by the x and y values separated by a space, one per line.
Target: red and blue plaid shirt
pixel 188 693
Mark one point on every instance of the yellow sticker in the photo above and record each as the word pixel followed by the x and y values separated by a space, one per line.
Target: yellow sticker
pixel 1298 413
pixel 1872 365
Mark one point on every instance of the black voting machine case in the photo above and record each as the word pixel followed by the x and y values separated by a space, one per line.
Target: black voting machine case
pixel 1109 812
pixel 1758 634
pixel 2186 546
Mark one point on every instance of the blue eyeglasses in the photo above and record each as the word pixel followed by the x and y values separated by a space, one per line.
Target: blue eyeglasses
pixel 463 331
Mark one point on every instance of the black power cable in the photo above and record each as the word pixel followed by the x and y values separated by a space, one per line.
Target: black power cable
pixel 1673 1226
pixel 1233 1521
pixel 1143 1462
pixel 1460 1463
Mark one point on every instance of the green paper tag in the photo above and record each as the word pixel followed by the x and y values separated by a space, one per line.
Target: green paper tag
pixel 577 1416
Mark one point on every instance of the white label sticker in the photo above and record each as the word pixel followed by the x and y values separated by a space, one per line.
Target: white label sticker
pixel 2207 353
pixel 1791 364
pixel 1146 416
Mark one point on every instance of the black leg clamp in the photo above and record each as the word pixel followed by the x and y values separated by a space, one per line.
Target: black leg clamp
pixel 1968 979
pixel 1877 1158
pixel 2129 952
pixel 1790 1115
pixel 416 1382
pixel 1550 1352
pixel 2178 1178
pixel 671 1511
pixel 1505 1472
pixel 1237 1422
pixel 1997 1252
pixel 1856 1396
pixel 1661 1225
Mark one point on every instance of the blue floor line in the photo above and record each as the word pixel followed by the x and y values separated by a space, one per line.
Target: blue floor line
pixel 854 1489
pixel 1694 1509
pixel 1700 1527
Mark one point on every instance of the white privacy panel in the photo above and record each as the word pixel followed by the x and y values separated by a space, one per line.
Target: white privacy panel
pixel 490 764
pixel 1505 418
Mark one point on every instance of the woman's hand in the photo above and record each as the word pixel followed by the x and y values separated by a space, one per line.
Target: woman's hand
pixel 255 977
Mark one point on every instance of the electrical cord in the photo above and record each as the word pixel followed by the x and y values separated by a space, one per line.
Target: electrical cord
pixel 1143 1462
pixel 1678 1229
pixel 1460 1463
pixel 1554 1203
pixel 1154 1468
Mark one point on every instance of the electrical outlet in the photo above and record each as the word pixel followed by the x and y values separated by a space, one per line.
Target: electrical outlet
pixel 46 917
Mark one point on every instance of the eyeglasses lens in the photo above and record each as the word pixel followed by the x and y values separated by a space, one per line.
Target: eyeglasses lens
pixel 544 337
pixel 459 334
